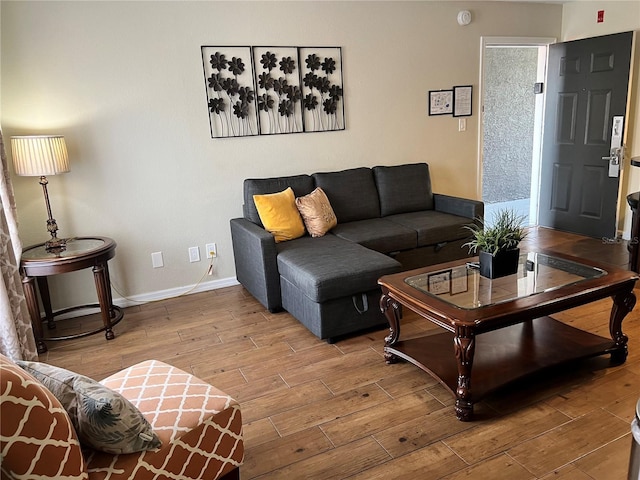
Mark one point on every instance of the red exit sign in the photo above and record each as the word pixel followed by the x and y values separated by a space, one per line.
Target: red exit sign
pixel 600 16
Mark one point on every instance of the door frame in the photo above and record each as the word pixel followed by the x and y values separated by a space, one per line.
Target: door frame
pixel 623 215
pixel 513 42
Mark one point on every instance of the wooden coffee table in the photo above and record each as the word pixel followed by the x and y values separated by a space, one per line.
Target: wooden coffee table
pixel 496 331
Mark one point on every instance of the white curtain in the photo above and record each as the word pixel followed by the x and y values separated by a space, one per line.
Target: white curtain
pixel 16 335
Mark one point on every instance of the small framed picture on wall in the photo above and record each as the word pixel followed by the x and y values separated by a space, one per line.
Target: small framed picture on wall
pixel 462 101
pixel 440 102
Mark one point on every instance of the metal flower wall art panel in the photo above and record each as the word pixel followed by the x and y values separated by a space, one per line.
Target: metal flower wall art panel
pixel 322 94
pixel 231 96
pixel 273 90
pixel 278 87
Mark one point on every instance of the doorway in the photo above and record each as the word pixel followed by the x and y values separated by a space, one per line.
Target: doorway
pixel 511 126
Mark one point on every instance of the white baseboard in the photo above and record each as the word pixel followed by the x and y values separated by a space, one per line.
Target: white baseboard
pixel 174 292
pixel 143 298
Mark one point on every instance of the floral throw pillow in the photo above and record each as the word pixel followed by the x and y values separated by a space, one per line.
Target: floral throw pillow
pixel 103 419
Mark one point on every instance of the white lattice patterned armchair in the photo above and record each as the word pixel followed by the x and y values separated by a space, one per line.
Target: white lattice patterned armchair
pixel 200 428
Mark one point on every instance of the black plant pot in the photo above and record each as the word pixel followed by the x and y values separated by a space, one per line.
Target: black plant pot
pixel 499 265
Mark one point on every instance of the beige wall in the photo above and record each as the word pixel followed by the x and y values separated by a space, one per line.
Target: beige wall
pixel 123 82
pixel 579 21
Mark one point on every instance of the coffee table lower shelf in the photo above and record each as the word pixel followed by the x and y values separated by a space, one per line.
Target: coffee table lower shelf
pixel 504 355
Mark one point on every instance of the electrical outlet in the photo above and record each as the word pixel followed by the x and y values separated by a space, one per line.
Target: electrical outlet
pixel 194 254
pixel 212 250
pixel 156 260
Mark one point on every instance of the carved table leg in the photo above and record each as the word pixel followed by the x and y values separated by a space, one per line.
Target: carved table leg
pixel 623 303
pixel 393 311
pixel 29 287
pixel 101 276
pixel 464 345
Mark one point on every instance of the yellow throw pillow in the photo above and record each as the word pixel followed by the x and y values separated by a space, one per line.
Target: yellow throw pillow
pixel 279 215
pixel 316 212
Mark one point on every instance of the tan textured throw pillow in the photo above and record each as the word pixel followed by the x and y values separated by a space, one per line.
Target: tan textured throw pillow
pixel 316 212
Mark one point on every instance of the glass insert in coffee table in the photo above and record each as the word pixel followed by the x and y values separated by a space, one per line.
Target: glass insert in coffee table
pixel 464 287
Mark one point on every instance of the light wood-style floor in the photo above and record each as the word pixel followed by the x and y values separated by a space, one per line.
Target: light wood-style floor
pixel 317 411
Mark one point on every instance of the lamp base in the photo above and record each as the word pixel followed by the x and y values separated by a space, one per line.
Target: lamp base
pixel 55 244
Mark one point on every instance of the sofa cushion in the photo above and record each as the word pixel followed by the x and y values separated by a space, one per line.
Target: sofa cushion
pixel 37 439
pixel 352 193
pixel 378 234
pixel 329 267
pixel 404 188
pixel 316 212
pixel 433 227
pixel 301 185
pixel 279 215
pixel 104 419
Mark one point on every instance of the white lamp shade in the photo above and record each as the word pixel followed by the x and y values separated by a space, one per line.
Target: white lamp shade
pixel 37 155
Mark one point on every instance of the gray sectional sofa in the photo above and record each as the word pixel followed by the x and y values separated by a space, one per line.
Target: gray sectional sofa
pixel 389 220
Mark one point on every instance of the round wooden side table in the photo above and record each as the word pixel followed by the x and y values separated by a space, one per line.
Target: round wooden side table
pixel 80 253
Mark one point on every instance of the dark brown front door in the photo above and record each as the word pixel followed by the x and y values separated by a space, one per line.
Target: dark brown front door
pixel 587 85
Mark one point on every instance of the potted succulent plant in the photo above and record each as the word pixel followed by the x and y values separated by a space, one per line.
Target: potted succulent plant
pixel 498 243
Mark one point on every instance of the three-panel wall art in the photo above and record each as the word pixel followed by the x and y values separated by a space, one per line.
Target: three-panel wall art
pixel 273 90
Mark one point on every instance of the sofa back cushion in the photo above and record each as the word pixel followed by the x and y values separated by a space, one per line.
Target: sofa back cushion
pixel 352 193
pixel 404 188
pixel 300 184
pixel 37 437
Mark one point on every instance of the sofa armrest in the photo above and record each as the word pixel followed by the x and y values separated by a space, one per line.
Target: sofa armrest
pixel 463 207
pixel 255 256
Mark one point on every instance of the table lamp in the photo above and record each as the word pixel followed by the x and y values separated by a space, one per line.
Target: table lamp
pixel 41 155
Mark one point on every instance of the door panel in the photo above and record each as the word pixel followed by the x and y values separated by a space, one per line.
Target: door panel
pixel 569 65
pixel 562 175
pixel 587 85
pixel 602 62
pixel 598 117
pixel 566 122
pixel 594 178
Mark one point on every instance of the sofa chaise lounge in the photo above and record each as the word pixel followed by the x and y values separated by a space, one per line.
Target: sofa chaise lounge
pixel 388 220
